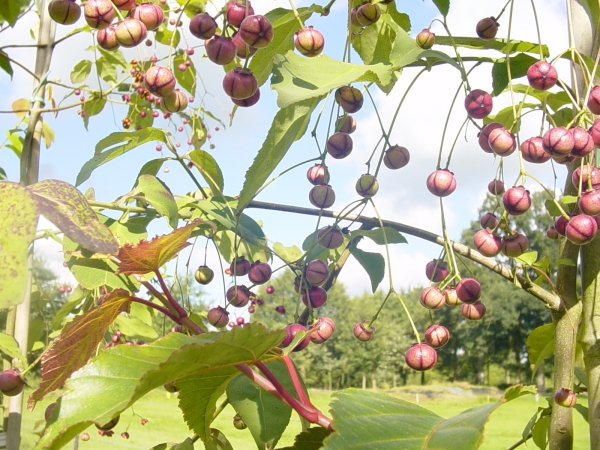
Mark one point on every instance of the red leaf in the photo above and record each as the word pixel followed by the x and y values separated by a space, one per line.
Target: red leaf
pixel 78 341
pixel 149 256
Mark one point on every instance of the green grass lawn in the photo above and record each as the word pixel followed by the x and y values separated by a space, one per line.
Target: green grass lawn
pixel 165 423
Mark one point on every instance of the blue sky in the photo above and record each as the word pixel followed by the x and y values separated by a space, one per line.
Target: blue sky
pixel 402 197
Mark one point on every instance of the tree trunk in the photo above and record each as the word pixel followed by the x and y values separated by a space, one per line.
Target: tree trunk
pixel 329 380
pixel 517 364
pixel 373 381
pixel 506 376
pixel 394 381
pixel 540 380
pixel 480 372
pixel 364 381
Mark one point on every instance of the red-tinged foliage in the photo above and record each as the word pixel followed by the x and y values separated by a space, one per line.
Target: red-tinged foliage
pixel 149 256
pixel 77 342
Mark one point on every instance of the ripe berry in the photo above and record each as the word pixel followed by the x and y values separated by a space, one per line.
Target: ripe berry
pixel 309 41
pixel 362 333
pixel 220 50
pixel 280 309
pixel 468 290
pixel 125 435
pixel 396 157
pixel 420 357
pixel 98 14
pixel 516 200
pixel 325 329
pixel 565 397
pixel 558 141
pixel 542 76
pixel 487 243
pixel 291 331
pixel 240 83
pixel 551 233
pixel 176 101
pixel 502 142
pixel 432 298
pixel 11 383
pixel 514 244
pixel 239 266
pixel 238 296
pixel 367 186
pixel 242 49
pixel 203 26
pixel 593 102
pixel 496 187
pixel 65 12
pixel 437 336
pixel 218 317
pixel 159 81
pixel 487 28
pixel 441 183
pixel 130 32
pixel 583 143
pixel 318 174
pixel 473 311
pixel 339 145
pixel 84 437
pixel 584 173
pixel 150 14
pixel 124 5
pixel 478 104
pixel 317 296
pixel 247 102
pixel 488 220
pixel 589 202
pixel 322 196
pixel 345 124
pixel 533 151
pixel 581 229
pixel 270 289
pixel 349 98
pixel 259 272
pixel 330 237
pixel 316 272
pixel 436 270
pixel 560 225
pixel 240 321
pixel 484 136
pixel 368 13
pixel 425 39
pixel 256 31
pixel 237 11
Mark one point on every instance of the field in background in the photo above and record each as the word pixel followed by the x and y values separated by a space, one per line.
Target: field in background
pixel 166 425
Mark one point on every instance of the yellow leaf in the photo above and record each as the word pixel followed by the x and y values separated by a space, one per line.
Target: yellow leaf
pixel 20 105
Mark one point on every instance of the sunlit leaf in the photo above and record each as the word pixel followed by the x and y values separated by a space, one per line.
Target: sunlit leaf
pixel 77 342
pixel 159 196
pixel 81 71
pixel 20 105
pixel 209 169
pixel 9 346
pixel 540 345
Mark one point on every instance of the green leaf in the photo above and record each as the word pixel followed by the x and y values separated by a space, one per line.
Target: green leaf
pixel 540 432
pixel 152 167
pixel 552 208
pixel 288 254
pixel 114 57
pixel 187 78
pixel 81 71
pixel 401 19
pixel 519 65
pixel 296 78
pixel 506 117
pixel 164 35
pixel 492 44
pixel 289 125
pixel 92 107
pixel 285 24
pixel 135 329
pixel 443 6
pixel 581 375
pixel 373 263
pixel 47 134
pixel 217 441
pixel 374 44
pixel 18 224
pixel 540 345
pixel 209 169
pixel 362 421
pixel 106 71
pixel 188 444
pixel 64 206
pixel 78 340
pixel 564 262
pixel 9 346
pixel 160 197
pixel 119 376
pixel 265 415
pixel 568 200
pixel 527 258
pixel 584 411
pixel 10 10
pixel 193 7
pixel 311 439
pixel 130 140
pixel 67 308
pixel 5 64
pixel 393 236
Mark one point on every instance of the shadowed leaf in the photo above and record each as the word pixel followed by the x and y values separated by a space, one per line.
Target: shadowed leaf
pixel 121 375
pixel 67 208
pixel 78 341
pixel 149 256
pixel 18 224
pixel 9 346
pixel 373 263
pixel 217 441
pixel 311 439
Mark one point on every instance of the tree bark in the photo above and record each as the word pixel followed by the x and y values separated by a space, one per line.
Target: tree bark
pixel 373 381
pixel 364 381
pixel 540 380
